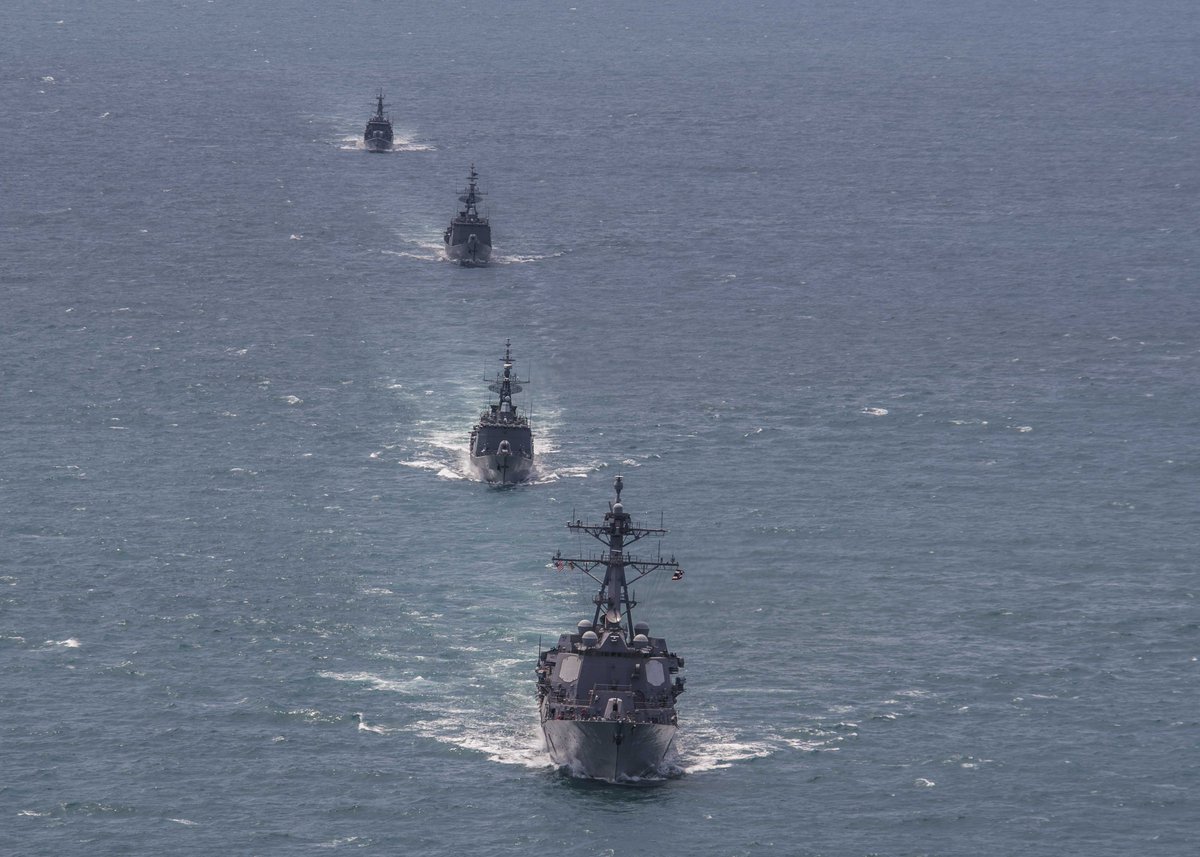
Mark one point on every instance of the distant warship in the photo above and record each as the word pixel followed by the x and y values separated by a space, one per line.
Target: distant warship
pixel 606 693
pixel 378 136
pixel 502 441
pixel 468 238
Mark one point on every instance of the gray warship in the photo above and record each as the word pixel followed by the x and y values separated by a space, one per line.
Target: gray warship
pixel 378 136
pixel 468 238
pixel 606 693
pixel 502 441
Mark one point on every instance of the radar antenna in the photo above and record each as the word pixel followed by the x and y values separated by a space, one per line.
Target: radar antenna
pixel 613 600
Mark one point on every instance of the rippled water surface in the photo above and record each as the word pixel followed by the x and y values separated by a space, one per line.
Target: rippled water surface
pixel 889 311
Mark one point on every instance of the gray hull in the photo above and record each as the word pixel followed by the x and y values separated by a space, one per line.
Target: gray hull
pixel 504 469
pixel 376 145
pixel 608 749
pixel 469 254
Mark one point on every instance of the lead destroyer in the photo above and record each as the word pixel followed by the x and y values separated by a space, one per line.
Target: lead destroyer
pixel 606 694
pixel 502 441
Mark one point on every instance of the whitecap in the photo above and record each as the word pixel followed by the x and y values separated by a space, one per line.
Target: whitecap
pixel 337 843
pixel 364 726
pixel 875 412
pixel 378 682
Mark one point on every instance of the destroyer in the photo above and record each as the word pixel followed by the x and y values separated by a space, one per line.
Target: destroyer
pixel 378 136
pixel 468 238
pixel 502 441
pixel 606 693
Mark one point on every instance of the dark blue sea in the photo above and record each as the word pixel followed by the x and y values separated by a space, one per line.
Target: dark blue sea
pixel 888 311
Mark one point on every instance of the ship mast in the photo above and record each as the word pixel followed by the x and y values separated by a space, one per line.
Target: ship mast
pixel 616 533
pixel 470 196
pixel 505 384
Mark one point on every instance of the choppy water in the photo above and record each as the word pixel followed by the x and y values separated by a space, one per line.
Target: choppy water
pixel 890 309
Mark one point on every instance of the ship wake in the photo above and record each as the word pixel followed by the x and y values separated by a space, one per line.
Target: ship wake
pixel 400 144
pixel 499 258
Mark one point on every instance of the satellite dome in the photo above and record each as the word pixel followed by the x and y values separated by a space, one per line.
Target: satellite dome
pixel 641 640
pixel 590 638
pixel 618 508
pixel 585 625
pixel 641 628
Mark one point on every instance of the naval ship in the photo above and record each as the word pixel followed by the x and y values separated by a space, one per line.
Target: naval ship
pixel 606 693
pixel 468 238
pixel 378 136
pixel 502 441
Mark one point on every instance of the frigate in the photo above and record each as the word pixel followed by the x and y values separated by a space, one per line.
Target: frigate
pixel 502 441
pixel 468 238
pixel 378 136
pixel 606 693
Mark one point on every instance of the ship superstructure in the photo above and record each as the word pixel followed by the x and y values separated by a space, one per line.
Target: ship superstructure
pixel 378 136
pixel 606 692
pixel 501 446
pixel 468 238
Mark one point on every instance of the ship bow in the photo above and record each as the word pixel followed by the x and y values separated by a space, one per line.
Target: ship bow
pixel 609 750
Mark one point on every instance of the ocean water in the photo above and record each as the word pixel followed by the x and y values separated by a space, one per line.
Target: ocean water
pixel 889 311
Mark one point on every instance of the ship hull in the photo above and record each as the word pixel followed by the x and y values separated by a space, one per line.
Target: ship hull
pixel 469 255
pixel 608 749
pixel 504 469
pixel 374 145
pixel 469 242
